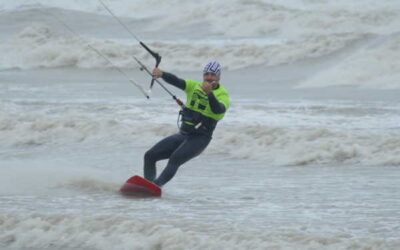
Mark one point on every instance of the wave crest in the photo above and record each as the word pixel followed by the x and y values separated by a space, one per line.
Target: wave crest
pixel 41 47
pixel 307 146
pixel 275 144
pixel 127 232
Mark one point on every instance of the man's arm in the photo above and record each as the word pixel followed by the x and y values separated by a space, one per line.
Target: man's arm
pixel 174 80
pixel 170 78
pixel 215 105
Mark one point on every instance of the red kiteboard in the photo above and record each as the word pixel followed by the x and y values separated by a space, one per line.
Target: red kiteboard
pixel 138 186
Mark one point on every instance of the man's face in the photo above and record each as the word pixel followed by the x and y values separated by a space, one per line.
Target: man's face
pixel 211 77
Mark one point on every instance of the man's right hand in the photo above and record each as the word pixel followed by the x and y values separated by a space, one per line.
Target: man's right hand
pixel 157 73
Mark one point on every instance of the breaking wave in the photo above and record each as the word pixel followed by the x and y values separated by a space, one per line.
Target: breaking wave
pixel 272 140
pixel 304 146
pixel 263 33
pixel 42 47
pixel 375 65
pixel 125 232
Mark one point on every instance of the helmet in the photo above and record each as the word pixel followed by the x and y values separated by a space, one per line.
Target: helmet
pixel 213 67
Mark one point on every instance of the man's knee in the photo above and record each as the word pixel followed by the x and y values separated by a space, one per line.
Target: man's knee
pixel 149 155
pixel 178 158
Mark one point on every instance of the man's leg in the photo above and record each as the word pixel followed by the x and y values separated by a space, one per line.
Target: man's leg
pixel 190 148
pixel 162 150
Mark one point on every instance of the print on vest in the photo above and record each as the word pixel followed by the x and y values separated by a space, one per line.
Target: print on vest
pixel 200 99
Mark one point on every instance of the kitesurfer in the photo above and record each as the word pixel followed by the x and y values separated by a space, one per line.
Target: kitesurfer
pixel 206 104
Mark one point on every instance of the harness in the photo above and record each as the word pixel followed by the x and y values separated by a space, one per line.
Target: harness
pixel 192 122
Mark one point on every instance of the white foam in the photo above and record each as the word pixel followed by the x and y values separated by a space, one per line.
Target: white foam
pixel 39 46
pixel 304 146
pixel 314 135
pixel 255 18
pixel 376 65
pixel 263 32
pixel 128 232
pixel 68 123
pixel 42 47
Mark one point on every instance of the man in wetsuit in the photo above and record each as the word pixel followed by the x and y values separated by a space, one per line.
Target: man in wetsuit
pixel 206 104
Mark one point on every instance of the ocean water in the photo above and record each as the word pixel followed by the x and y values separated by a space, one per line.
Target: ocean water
pixel 307 157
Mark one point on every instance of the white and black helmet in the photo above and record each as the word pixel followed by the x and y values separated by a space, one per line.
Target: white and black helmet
pixel 213 67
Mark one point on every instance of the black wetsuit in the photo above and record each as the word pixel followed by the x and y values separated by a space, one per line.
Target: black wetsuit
pixel 182 146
